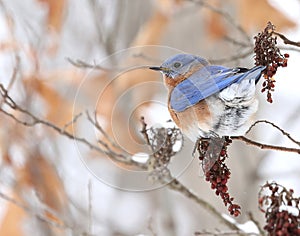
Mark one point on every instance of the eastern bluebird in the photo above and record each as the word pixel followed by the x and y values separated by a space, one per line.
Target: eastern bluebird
pixel 209 100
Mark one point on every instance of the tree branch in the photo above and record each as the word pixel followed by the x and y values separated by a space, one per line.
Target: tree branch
pixel 225 233
pixel 120 157
pixel 286 40
pixel 225 15
pixel 265 146
pixel 39 216
pixel 96 124
pixel 176 185
pixel 42 216
pixel 275 126
pixel 82 64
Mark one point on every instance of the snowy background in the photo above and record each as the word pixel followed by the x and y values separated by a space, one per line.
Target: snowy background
pixel 90 192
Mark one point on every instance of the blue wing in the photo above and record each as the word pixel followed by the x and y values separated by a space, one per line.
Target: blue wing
pixel 208 81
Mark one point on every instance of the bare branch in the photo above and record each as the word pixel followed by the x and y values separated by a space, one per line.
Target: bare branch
pixel 181 188
pixel 275 126
pixel 266 146
pixel 73 121
pixel 225 15
pixel 144 131
pixel 286 40
pixel 120 157
pixel 43 216
pixel 37 215
pixel 96 124
pixel 225 233
pixel 82 64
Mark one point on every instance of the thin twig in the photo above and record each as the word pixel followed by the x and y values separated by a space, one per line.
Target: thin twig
pixel 82 64
pixel 286 40
pixel 144 131
pixel 43 216
pixel 123 158
pixel 176 185
pixel 224 233
pixel 266 146
pixel 39 216
pixel 275 126
pixel 225 15
pixel 96 124
pixel 74 120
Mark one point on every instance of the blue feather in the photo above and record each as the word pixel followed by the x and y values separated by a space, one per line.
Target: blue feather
pixel 208 81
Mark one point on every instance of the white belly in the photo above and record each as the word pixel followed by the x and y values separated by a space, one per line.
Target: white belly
pixel 231 112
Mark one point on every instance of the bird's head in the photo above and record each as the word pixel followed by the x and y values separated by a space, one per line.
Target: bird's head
pixel 179 67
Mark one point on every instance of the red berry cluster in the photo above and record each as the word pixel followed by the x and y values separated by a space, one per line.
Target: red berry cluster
pixel 218 174
pixel 280 222
pixel 268 54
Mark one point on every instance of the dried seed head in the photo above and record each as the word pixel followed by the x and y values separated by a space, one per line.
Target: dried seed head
pixel 268 54
pixel 219 174
pixel 278 220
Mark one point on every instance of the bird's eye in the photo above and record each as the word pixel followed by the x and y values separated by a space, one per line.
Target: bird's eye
pixel 177 64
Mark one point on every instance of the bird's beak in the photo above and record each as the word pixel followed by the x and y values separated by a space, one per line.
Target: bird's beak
pixel 156 68
pixel 159 68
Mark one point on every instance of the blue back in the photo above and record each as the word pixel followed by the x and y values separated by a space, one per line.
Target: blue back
pixel 206 82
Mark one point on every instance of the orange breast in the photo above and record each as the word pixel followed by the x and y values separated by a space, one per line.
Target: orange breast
pixel 196 116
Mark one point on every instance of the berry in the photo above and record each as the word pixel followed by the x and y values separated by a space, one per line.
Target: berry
pixel 269 55
pixel 279 221
pixel 218 174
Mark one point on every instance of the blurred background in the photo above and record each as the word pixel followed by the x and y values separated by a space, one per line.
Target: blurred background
pixel 53 185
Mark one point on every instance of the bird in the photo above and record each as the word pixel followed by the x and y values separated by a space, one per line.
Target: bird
pixel 206 100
